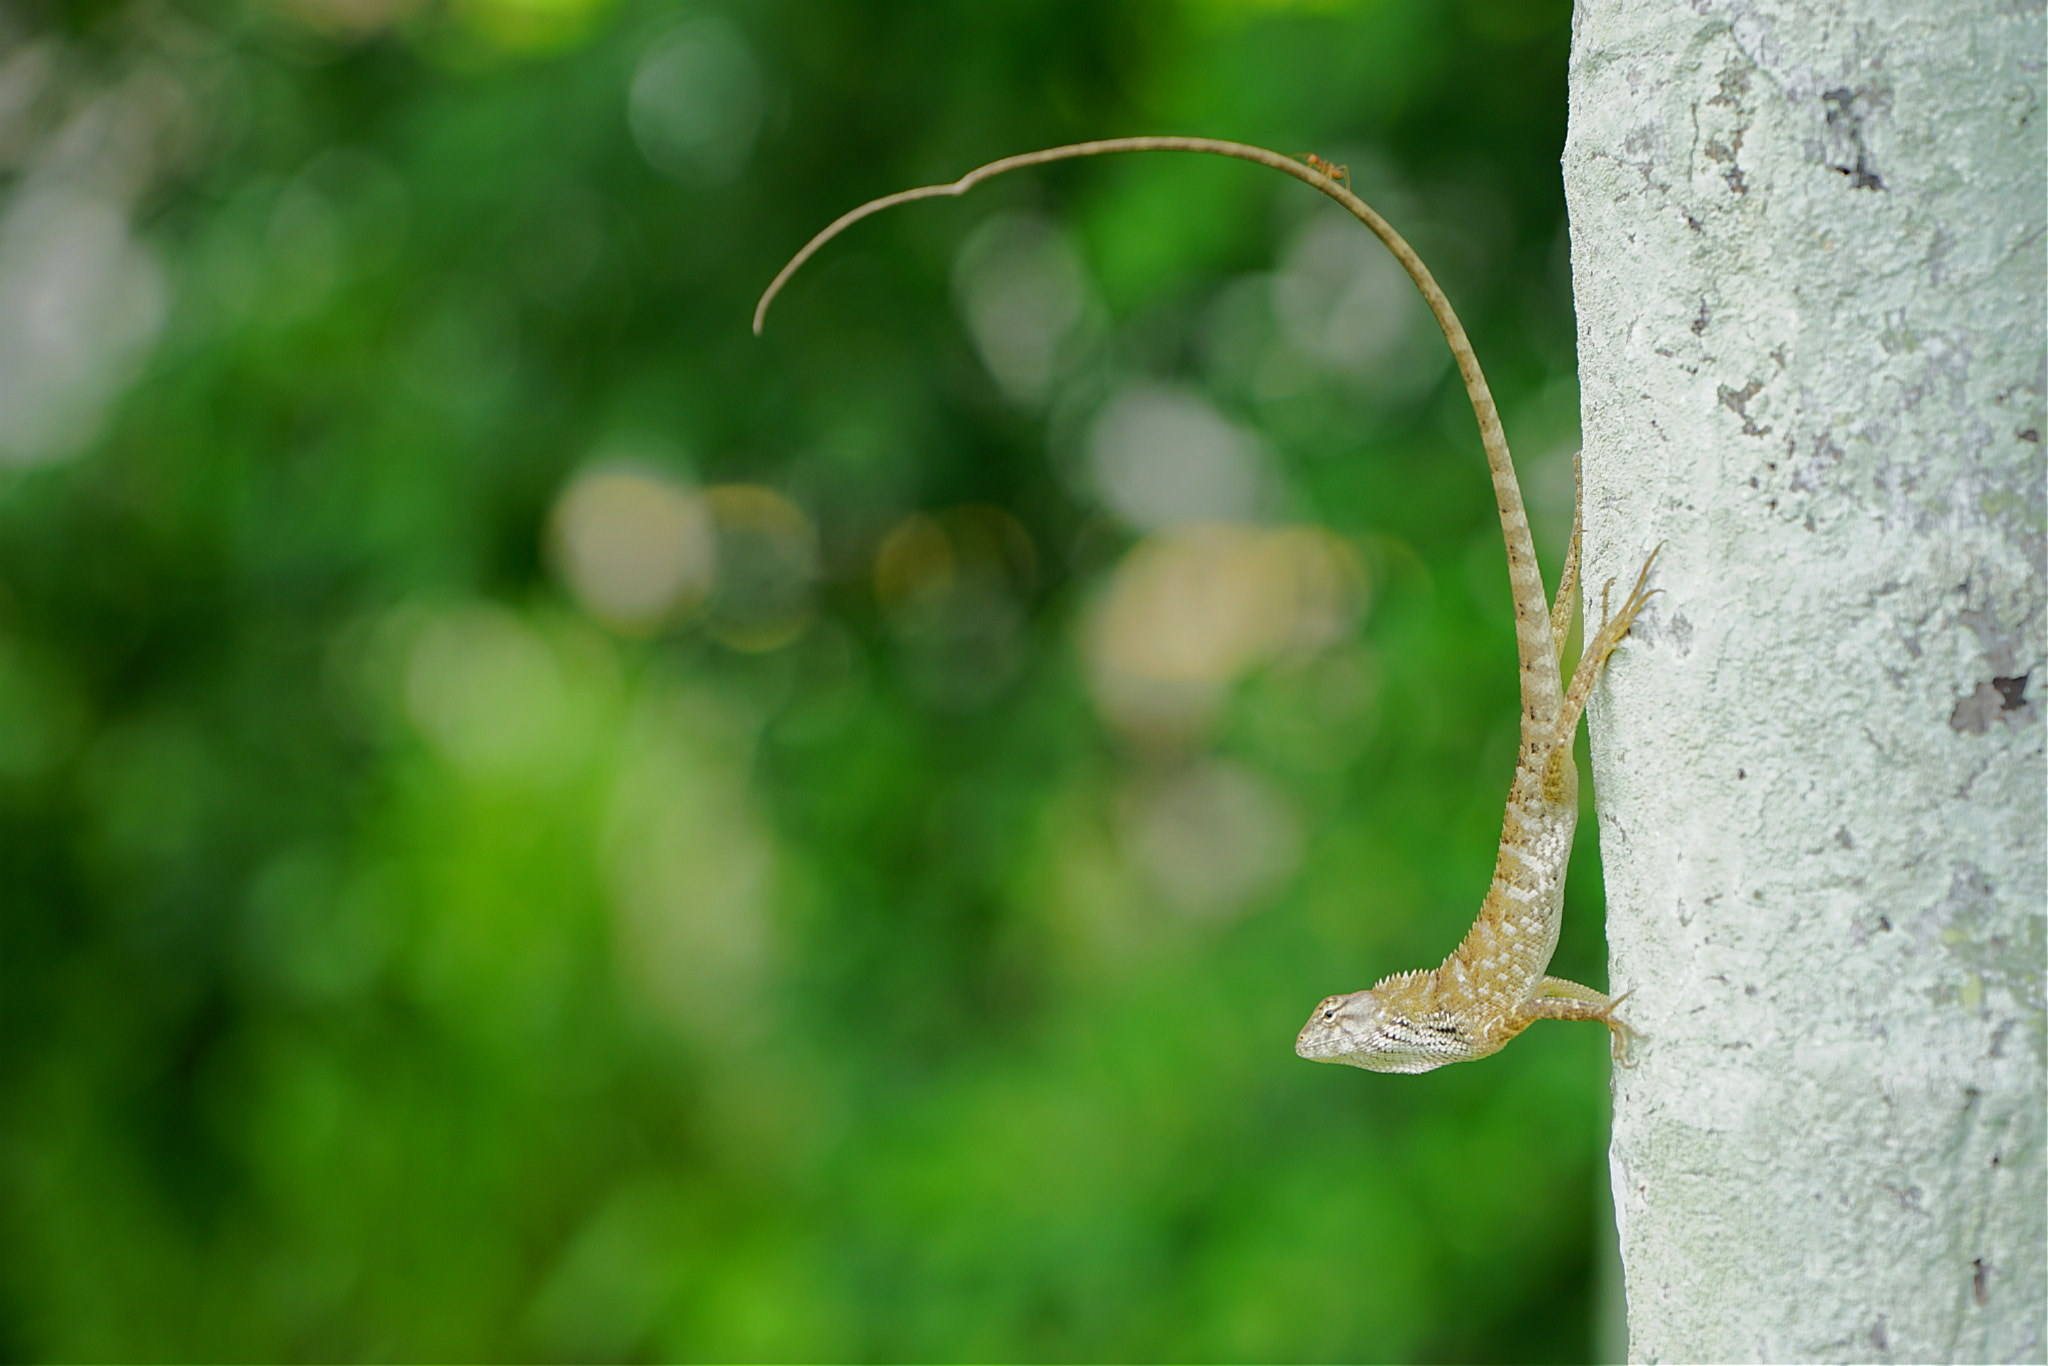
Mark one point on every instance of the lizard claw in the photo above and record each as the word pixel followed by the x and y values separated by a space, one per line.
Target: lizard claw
pixel 1621 1031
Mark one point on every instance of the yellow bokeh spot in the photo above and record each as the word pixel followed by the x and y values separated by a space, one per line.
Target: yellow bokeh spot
pixel 767 568
pixel 1193 608
pixel 636 546
pixel 530 25
pixel 928 561
pixel 914 563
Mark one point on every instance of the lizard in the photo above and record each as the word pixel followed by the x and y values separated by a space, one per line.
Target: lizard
pixel 1493 985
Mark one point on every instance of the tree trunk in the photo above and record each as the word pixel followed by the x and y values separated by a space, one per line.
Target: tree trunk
pixel 1807 244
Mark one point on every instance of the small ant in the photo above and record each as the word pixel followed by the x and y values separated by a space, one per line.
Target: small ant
pixel 1340 174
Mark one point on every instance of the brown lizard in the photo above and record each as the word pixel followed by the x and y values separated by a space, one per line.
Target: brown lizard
pixel 1493 986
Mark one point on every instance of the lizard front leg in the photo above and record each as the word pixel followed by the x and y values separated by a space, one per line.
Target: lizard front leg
pixel 1558 999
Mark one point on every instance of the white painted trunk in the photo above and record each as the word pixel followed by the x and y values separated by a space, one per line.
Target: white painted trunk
pixel 1807 244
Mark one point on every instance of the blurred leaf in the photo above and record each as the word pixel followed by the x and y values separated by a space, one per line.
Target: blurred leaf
pixel 537 825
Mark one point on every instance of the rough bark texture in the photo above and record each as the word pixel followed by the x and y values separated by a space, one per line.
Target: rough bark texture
pixel 1807 243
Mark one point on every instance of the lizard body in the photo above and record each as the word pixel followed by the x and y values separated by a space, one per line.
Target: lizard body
pixel 1494 985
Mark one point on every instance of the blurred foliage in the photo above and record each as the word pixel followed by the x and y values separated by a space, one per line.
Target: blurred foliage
pixel 538 825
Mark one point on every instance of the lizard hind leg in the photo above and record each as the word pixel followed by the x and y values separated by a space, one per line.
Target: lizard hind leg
pixel 1594 657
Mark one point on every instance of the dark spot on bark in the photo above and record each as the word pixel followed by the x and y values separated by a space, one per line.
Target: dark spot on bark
pixel 2029 434
pixel 1737 401
pixel 1725 152
pixel 1845 152
pixel 2002 700
pixel 1734 85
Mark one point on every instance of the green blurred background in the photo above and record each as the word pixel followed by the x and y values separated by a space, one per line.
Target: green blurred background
pixel 538 825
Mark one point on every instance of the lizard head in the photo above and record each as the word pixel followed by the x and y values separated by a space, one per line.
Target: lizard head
pixel 1360 1030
